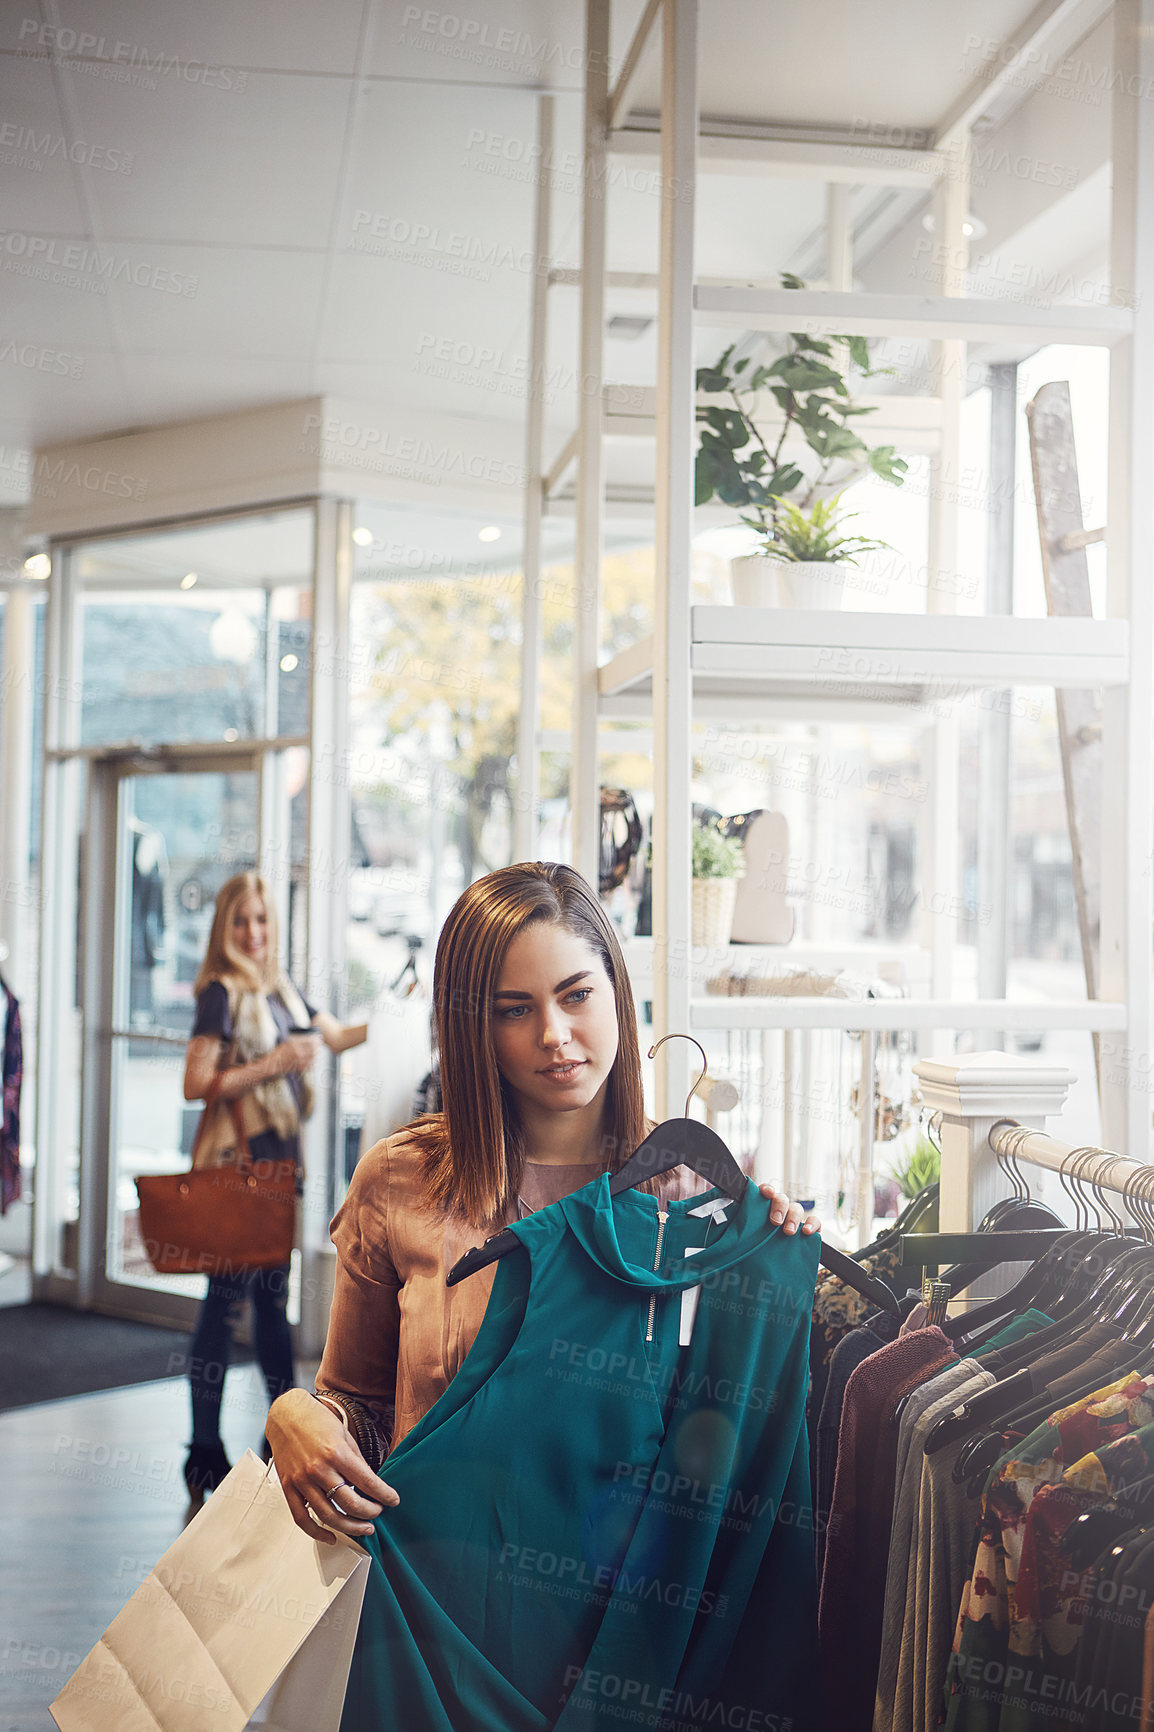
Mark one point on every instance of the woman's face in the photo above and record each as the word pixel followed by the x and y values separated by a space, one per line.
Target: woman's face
pixel 554 1020
pixel 250 928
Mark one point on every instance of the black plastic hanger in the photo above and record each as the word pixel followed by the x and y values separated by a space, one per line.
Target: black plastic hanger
pixel 690 1143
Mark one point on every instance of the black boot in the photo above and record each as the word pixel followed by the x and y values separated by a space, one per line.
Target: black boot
pixel 204 1468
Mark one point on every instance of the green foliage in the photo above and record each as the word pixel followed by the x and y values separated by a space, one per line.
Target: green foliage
pixel 817 536
pixel 918 1165
pixel 715 855
pixel 734 463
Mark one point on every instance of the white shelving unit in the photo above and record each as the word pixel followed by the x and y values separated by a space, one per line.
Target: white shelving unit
pixel 778 665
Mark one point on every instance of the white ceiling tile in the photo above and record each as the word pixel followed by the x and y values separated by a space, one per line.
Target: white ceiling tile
pixel 179 43
pixel 54 289
pixel 220 304
pixel 37 184
pixel 532 43
pixel 257 167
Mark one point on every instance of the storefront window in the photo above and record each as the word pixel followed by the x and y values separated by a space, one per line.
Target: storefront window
pixel 200 633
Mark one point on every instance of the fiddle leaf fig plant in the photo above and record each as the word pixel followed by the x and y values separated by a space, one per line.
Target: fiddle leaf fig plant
pixel 735 462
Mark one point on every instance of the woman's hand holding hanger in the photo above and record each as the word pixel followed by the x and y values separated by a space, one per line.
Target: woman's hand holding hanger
pixel 788 1215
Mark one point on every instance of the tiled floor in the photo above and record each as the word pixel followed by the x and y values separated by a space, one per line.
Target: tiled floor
pixel 91 1494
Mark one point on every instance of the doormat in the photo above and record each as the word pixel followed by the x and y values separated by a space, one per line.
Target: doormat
pixel 48 1352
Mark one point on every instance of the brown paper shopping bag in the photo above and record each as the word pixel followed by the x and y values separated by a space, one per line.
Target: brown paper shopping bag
pixel 245 1620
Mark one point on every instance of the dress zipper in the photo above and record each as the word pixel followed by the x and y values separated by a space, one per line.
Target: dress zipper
pixel 662 1217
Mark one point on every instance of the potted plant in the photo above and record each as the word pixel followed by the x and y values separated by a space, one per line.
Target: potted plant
pixel 717 863
pixel 810 559
pixel 776 496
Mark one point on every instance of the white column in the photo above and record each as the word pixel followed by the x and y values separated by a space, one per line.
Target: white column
pixel 529 720
pixel 838 237
pixel 971 1094
pixel 672 684
pixel 328 841
pixel 60 824
pixel 995 813
pixel 16 919
pixel 584 778
pixel 1128 714
pixel 948 360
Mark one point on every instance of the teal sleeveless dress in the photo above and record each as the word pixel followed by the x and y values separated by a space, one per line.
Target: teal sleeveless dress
pixel 600 1526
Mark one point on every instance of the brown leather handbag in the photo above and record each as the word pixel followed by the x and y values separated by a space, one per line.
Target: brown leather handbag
pixel 219 1220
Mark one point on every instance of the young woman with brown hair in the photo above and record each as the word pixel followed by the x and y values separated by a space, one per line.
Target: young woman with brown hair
pixel 541 1078
pixel 247 1034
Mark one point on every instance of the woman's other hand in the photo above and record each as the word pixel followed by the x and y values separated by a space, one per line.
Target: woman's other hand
pixel 317 1462
pixel 298 1052
pixel 788 1215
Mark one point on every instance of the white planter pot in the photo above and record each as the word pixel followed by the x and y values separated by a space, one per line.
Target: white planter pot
pixel 761 582
pixel 713 905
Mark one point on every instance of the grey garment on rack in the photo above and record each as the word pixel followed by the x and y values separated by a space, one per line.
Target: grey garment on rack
pixel 908 1562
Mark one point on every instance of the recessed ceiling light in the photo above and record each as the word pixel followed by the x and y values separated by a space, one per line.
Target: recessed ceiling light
pixel 628 325
pixel 972 226
pixel 231 734
pixel 288 663
pixel 490 533
pixel 188 580
pixel 362 536
pixel 38 565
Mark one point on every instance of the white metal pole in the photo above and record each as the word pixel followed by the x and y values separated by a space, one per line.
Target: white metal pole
pixel 16 781
pixel 672 676
pixel 529 720
pixel 327 857
pixel 584 798
pixel 57 1057
pixel 940 869
pixel 995 855
pixel 1128 712
pixel 838 237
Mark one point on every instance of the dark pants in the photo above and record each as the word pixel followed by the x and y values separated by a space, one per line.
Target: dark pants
pixel 209 1353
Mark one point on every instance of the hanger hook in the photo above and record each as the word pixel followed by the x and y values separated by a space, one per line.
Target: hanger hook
pixel 1074 1197
pixel 704 1063
pixel 1104 1176
pixel 1019 1142
pixel 1082 1157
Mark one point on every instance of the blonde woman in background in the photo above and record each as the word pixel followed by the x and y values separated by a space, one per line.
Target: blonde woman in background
pixel 254 1028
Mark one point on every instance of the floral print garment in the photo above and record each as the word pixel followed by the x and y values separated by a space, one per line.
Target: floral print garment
pixel 1012 1607
pixel 838 1308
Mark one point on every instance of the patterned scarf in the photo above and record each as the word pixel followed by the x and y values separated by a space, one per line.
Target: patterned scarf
pixel 254 1033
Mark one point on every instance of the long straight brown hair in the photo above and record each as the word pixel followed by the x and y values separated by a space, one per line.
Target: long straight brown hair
pixel 474 1148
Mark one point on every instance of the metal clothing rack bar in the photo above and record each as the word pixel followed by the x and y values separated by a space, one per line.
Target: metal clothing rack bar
pixel 1122 1174
pixel 931 1249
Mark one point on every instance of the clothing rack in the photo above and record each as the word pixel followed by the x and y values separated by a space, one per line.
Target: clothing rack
pixel 1121 1174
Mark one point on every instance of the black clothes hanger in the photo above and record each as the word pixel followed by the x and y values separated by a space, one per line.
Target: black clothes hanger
pixel 916 1210
pixel 1122 1293
pixel 690 1143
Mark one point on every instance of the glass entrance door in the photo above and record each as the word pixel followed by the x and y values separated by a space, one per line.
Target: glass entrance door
pixel 162 841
